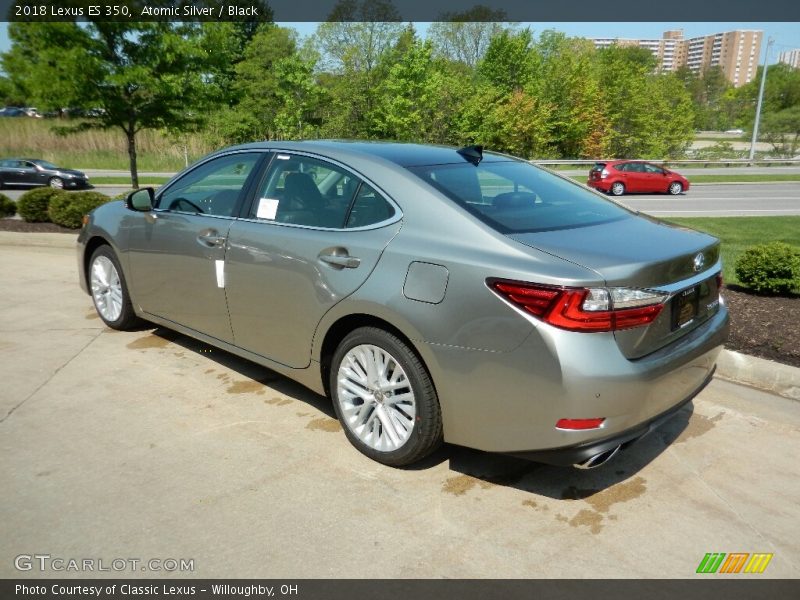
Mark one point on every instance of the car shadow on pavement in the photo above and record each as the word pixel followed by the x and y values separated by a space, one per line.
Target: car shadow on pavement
pixel 248 369
pixel 568 483
pixel 485 469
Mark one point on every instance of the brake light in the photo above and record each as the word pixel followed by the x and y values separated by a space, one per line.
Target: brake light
pixel 603 174
pixel 719 281
pixel 584 309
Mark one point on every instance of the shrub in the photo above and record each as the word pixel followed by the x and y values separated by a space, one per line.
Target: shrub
pixel 32 206
pixel 8 207
pixel 772 268
pixel 67 210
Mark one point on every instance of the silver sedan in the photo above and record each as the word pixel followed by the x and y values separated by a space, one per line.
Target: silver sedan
pixel 435 294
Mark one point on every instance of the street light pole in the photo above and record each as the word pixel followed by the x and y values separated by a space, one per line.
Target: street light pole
pixel 760 98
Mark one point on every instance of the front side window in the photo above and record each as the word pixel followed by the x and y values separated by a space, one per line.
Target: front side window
pixel 213 188
pixel 517 197
pixel 653 169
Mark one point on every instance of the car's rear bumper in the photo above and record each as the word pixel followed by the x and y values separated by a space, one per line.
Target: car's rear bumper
pixel 510 402
pixel 599 184
pixel 579 453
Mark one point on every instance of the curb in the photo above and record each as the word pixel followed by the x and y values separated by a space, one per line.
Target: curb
pixel 766 375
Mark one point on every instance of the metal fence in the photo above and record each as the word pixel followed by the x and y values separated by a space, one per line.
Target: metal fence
pixel 733 162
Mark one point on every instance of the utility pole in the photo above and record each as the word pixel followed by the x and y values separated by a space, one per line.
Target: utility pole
pixel 760 98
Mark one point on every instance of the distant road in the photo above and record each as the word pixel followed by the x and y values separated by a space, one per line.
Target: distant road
pixel 711 200
pixel 689 172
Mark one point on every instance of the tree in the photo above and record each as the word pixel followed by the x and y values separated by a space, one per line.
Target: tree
pixel 508 63
pixel 464 37
pixel 408 108
pixel 356 35
pixel 782 130
pixel 132 75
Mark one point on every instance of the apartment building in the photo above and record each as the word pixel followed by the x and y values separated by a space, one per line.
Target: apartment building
pixel 735 52
pixel 791 58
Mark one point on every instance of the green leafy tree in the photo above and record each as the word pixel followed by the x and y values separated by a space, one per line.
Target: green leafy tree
pixel 464 37
pixel 509 62
pixel 409 106
pixel 133 75
pixel 781 129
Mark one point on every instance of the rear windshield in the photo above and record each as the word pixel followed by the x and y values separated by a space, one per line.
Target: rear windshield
pixel 517 197
pixel 598 166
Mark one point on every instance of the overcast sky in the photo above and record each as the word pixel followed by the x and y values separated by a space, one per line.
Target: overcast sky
pixel 786 35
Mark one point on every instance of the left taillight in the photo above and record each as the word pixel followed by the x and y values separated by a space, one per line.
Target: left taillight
pixel 583 309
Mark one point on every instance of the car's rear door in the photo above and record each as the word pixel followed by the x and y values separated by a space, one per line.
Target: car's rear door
pixel 177 251
pixel 312 236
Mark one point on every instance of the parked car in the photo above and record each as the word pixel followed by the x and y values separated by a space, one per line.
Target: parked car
pixel 12 111
pixel 735 131
pixel 433 293
pixel 619 177
pixel 31 172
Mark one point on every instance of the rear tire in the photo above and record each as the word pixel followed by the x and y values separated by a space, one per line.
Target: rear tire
pixel 617 189
pixel 384 398
pixel 110 291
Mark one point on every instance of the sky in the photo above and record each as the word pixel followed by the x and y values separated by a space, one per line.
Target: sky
pixel 786 35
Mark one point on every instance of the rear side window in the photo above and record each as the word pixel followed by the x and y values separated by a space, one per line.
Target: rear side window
pixel 517 197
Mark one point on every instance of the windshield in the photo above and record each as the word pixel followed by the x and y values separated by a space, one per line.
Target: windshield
pixel 517 197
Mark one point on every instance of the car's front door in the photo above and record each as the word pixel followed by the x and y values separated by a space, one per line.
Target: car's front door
pixel 312 237
pixel 22 173
pixel 177 251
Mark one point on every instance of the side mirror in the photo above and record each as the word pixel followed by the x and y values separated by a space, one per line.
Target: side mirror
pixel 141 200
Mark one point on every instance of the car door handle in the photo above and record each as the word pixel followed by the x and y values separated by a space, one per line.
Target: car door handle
pixel 341 261
pixel 210 238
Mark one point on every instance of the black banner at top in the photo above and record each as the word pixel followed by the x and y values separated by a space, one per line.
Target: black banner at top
pixel 679 11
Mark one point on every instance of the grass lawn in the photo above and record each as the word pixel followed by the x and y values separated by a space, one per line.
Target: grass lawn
pixel 737 233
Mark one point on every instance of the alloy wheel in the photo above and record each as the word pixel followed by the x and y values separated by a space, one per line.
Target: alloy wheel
pixel 106 288
pixel 376 398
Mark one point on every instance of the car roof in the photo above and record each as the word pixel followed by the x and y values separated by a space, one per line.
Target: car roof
pixel 400 153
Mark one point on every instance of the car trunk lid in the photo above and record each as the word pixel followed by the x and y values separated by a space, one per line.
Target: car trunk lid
pixel 644 253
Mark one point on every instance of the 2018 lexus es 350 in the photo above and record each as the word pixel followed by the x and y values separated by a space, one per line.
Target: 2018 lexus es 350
pixel 435 294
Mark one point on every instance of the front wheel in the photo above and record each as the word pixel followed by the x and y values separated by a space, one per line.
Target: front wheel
pixel 675 188
pixel 384 398
pixel 618 188
pixel 109 290
pixel 56 183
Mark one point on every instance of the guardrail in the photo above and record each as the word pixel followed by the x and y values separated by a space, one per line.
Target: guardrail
pixel 732 162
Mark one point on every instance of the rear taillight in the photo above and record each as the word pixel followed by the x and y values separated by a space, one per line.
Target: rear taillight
pixel 719 281
pixel 584 309
pixel 603 174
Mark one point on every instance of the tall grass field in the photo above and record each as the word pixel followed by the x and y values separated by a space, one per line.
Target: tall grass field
pixel 23 137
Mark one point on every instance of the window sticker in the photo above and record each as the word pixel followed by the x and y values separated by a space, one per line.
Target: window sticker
pixel 267 208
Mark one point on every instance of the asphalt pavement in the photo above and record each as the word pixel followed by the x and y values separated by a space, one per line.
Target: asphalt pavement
pixel 148 444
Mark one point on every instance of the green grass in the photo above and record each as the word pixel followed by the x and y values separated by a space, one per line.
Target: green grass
pixel 738 233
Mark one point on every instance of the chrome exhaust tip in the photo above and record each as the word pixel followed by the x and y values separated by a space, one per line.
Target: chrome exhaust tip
pixel 598 459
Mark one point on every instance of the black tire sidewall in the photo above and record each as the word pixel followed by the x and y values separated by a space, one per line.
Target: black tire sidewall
pixel 127 316
pixel 426 434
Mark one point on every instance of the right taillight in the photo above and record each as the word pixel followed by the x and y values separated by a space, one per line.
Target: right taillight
pixel 584 309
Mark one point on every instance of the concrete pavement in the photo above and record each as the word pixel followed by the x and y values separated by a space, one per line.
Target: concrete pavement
pixel 148 444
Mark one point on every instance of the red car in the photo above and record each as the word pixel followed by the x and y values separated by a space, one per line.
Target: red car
pixel 618 177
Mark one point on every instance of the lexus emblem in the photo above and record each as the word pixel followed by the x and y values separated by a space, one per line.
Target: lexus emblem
pixel 699 261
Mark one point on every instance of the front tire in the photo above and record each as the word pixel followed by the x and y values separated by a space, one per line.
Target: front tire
pixel 56 183
pixel 110 291
pixel 384 398
pixel 617 189
pixel 675 188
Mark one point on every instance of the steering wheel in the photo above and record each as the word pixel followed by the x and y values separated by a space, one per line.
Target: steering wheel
pixel 179 202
